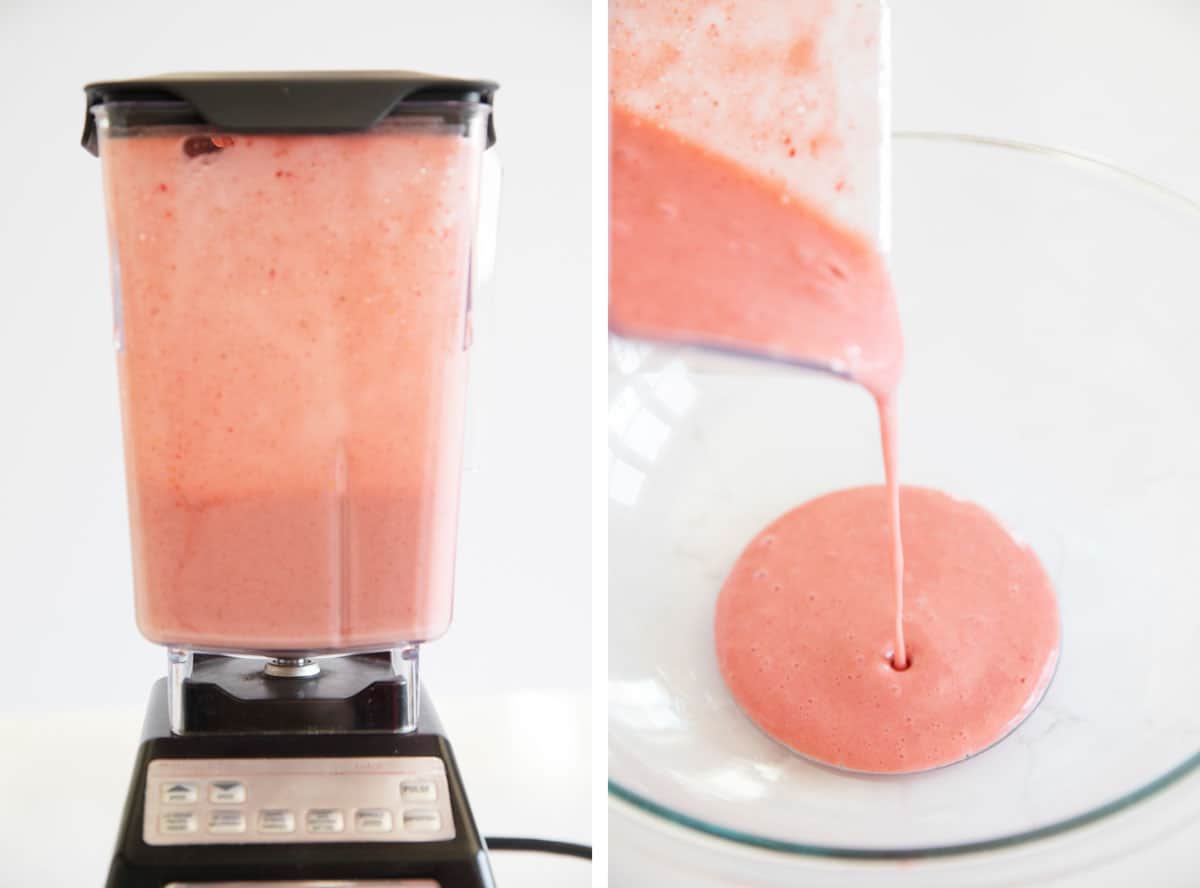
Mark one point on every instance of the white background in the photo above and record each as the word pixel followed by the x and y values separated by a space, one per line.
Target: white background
pixel 1119 79
pixel 522 618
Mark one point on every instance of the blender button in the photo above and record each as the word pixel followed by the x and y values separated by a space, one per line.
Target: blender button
pixel 179 793
pixel 177 822
pixel 276 820
pixel 373 820
pixel 325 820
pixel 422 821
pixel 226 822
pixel 226 792
pixel 418 791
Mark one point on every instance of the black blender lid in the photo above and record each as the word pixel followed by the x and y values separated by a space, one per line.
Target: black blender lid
pixel 289 101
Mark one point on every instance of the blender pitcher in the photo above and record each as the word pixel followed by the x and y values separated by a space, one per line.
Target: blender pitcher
pixel 726 115
pixel 292 314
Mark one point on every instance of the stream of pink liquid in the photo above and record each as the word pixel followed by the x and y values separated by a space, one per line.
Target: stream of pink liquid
pixel 706 252
pixel 807 290
pixel 888 428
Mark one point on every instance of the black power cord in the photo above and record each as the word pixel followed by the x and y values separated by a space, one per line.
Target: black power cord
pixel 540 846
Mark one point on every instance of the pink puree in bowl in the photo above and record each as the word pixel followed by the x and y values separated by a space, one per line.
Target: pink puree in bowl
pixel 805 644
pixel 717 241
pixel 293 373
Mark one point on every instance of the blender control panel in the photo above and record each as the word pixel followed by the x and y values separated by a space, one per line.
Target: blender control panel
pixel 296 801
pixel 407 883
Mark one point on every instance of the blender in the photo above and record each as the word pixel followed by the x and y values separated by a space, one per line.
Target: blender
pixel 292 264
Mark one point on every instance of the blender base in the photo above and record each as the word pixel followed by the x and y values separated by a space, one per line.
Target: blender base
pixel 294 809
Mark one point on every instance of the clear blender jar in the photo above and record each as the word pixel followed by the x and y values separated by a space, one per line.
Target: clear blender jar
pixel 790 96
pixel 292 302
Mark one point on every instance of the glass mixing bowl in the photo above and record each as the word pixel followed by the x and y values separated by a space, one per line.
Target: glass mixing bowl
pixel 1049 305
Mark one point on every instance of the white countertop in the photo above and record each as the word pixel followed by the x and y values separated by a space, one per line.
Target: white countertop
pixel 525 760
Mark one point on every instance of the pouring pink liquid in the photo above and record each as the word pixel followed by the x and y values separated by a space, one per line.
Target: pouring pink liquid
pixel 715 243
pixel 736 262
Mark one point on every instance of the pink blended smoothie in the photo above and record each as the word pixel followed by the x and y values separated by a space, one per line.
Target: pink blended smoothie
pixel 292 320
pixel 738 223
